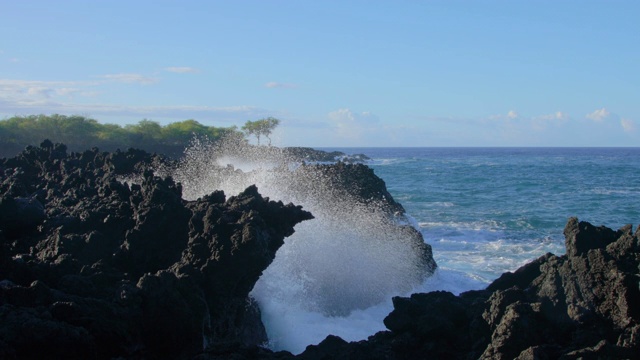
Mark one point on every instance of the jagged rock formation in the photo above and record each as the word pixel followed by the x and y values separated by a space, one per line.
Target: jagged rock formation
pixel 92 267
pixel 313 155
pixel 582 305
pixel 352 182
pixel 360 230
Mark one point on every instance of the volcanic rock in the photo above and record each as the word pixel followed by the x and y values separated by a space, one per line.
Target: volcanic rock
pixel 585 304
pixel 101 259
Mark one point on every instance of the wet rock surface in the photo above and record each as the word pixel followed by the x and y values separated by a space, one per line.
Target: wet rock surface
pixel 582 305
pixel 313 155
pixel 361 247
pixel 97 263
pixel 93 266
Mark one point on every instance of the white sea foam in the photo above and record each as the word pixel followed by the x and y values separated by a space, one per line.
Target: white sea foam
pixel 390 161
pixel 338 272
pixel 482 247
pixel 336 275
pixel 291 326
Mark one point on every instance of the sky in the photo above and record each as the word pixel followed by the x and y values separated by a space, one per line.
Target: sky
pixel 336 73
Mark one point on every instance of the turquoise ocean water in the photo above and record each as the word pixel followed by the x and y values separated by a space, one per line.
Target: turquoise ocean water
pixel 484 211
pixel 490 210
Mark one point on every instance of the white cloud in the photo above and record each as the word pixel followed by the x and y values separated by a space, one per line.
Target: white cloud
pixel 628 125
pixel 348 117
pixel 543 122
pixel 43 105
pixel 182 69
pixel 342 115
pixel 22 84
pixel 599 115
pixel 511 115
pixel 67 87
pixel 69 91
pixel 130 78
pixel 276 85
pixel 558 115
pixel 46 97
pixel 352 125
pixel 604 117
pixel 111 109
pixel 40 91
pixel 22 90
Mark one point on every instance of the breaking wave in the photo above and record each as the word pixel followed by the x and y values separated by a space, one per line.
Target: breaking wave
pixel 353 256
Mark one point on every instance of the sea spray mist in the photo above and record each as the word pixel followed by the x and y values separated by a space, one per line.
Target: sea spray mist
pixel 355 254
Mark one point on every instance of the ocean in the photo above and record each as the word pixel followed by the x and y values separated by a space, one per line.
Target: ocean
pixel 484 211
pixel 490 210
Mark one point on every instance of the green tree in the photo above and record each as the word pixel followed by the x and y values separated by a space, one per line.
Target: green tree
pixel 112 136
pixel 145 133
pixel 78 129
pixel 80 132
pixel 181 132
pixel 262 127
pixel 33 129
pixel 149 128
pixel 229 133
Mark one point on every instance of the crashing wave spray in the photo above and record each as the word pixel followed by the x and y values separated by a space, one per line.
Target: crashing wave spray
pixel 353 255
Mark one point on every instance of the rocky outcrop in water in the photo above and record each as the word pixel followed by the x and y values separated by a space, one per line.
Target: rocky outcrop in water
pixel 353 182
pixel 359 229
pixel 312 155
pixel 96 263
pixel 93 267
pixel 582 305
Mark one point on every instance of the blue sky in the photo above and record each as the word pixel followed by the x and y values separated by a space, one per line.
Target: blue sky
pixel 336 73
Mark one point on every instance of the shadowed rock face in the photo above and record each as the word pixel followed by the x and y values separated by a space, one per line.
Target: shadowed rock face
pixel 359 250
pixel 93 267
pixel 585 304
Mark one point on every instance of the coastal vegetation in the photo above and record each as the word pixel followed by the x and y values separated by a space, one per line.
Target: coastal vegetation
pixel 262 127
pixel 82 132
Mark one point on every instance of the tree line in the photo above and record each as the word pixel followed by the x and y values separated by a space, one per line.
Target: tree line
pixel 81 132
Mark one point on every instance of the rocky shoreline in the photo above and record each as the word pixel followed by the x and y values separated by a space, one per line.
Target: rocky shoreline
pixel 582 305
pixel 95 267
